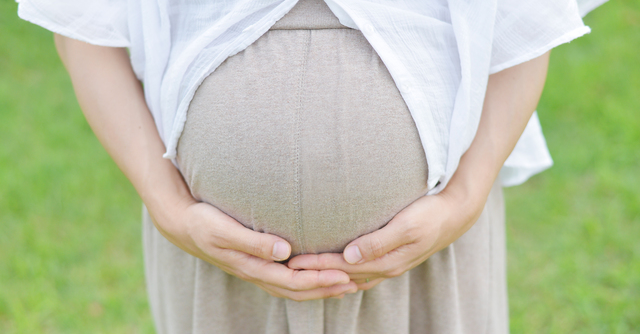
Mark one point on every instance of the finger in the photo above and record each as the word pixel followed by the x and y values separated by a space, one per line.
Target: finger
pixel 368 285
pixel 363 280
pixel 234 235
pixel 279 275
pixel 392 265
pixel 329 261
pixel 378 243
pixel 321 293
pixel 321 261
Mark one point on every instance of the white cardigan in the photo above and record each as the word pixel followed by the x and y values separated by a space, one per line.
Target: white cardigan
pixel 439 52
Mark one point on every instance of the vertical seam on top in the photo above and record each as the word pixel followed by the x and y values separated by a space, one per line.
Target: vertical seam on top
pixel 297 131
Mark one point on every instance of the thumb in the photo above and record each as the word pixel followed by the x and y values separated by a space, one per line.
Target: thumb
pixel 262 245
pixel 377 244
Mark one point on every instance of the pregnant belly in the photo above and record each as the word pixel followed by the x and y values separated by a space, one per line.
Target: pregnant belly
pixel 304 135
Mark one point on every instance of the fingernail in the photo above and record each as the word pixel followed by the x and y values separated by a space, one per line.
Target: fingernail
pixel 352 254
pixel 280 251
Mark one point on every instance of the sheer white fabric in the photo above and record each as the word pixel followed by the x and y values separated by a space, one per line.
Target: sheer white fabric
pixel 438 52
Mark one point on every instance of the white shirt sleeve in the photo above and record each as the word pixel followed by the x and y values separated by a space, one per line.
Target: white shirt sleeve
pixel 99 22
pixel 525 30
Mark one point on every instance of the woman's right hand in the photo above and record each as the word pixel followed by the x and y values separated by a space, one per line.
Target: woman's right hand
pixel 113 103
pixel 205 232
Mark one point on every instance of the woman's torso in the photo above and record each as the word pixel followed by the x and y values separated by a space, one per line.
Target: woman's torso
pixel 304 135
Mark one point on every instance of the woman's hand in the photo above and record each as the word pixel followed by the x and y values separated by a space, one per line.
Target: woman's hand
pixel 423 228
pixel 431 223
pixel 209 234
pixel 113 103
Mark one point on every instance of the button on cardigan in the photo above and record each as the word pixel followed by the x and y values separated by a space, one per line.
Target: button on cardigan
pixel 439 52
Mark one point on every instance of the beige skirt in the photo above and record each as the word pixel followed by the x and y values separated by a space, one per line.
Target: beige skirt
pixel 305 135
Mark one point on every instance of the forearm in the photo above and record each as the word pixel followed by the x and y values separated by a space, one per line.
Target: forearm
pixel 113 103
pixel 511 98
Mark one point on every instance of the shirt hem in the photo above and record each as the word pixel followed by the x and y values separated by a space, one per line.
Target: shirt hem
pixel 181 115
pixel 27 13
pixel 591 6
pixel 566 38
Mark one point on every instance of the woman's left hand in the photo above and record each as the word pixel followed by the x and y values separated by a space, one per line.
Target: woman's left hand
pixel 423 228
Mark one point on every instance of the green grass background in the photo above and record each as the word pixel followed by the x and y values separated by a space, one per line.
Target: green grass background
pixel 70 243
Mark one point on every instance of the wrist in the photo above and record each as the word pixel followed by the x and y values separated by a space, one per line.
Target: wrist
pixel 471 184
pixel 165 193
pixel 470 189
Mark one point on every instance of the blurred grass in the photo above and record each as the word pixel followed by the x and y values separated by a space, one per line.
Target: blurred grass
pixel 70 249
pixel 70 245
pixel 573 250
